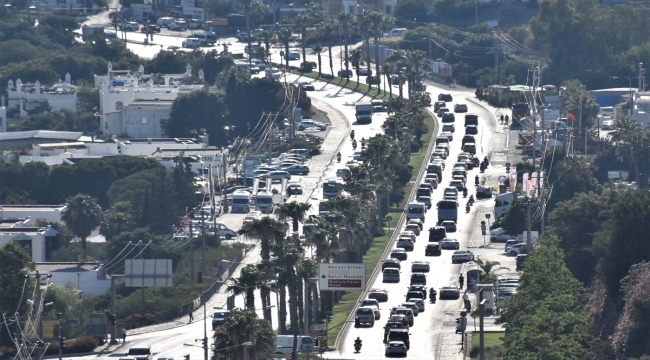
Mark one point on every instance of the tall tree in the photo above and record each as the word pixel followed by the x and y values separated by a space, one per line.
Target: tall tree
pixel 248 281
pixel 284 37
pixel 356 58
pixel 295 211
pixel 318 50
pixel 117 219
pixel 303 21
pixel 329 29
pixel 346 21
pixel 15 262
pixel 240 327
pixel 197 112
pixel 82 215
pixel 376 20
pixel 545 319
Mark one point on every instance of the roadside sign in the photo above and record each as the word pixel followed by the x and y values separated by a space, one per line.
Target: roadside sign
pixel 474 315
pixel 507 164
pixel 389 218
pixel 487 216
pixel 317 330
pixel 344 276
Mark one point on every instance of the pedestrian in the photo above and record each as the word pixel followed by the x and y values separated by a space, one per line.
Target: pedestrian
pixel 501 119
pixel 506 119
pixel 461 280
pixel 123 335
pixel 465 297
pixel 191 315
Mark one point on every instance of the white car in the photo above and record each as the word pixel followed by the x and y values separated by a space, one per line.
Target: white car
pixel 192 42
pixel 420 266
pixel 278 175
pixel 413 227
pixel 405 243
pixel 307 123
pixel 499 235
pixel 253 215
pixel 273 74
pixel 449 135
pixel 607 125
pixel 516 249
pixel 460 256
pixel 130 26
pixel 409 234
pixel 448 243
pixel 297 169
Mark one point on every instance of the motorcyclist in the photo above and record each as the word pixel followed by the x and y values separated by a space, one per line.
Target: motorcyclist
pixel 476 180
pixel 352 135
pixel 357 344
pixel 464 192
pixel 471 200
pixel 486 161
pixel 354 144
pixel 461 280
pixel 467 208
pixel 432 295
pixel 338 156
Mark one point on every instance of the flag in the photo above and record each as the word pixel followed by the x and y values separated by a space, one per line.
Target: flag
pixel 479 261
pixel 571 117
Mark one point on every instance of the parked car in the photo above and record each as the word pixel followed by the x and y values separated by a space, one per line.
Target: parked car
pixel 516 249
pixel 499 235
pixel 292 55
pixel 511 242
pixel 364 71
pixel 298 169
pixel 150 28
pixel 449 292
pixel 129 26
pixel 445 97
pixel 448 243
pixel 192 42
pixel 460 256
pixel 378 294
pixel 308 123
pixel 607 125
pixel 460 108
pixel 278 175
pixel 306 85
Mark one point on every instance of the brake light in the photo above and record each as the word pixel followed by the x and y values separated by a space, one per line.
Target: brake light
pixel 455 291
pixel 356 318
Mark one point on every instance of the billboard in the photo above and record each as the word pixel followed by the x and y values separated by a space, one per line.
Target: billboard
pixel 148 272
pixel 342 276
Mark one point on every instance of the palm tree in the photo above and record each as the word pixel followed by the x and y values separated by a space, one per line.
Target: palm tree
pixel 247 6
pixel 636 149
pixel 249 279
pixel 398 58
pixel 295 211
pixel 388 69
pixel 489 268
pixel 415 65
pixel 376 19
pixel 329 29
pixel 363 27
pixel 303 21
pixel 82 215
pixel 574 167
pixel 240 327
pixel 624 127
pixel 345 20
pixel 317 50
pixel 267 38
pixel 356 58
pixel 267 230
pixel 284 36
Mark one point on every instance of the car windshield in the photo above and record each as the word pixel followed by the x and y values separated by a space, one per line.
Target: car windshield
pixel 240 201
pixel 265 200
pixel 219 315
pixel 416 210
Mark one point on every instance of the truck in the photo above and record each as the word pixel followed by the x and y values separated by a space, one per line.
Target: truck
pixel 447 210
pixel 284 344
pixel 241 201
pixel 331 187
pixel 264 202
pixel 364 112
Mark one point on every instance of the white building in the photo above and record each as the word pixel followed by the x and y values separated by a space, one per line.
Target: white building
pixel 152 9
pixel 32 213
pixel 34 98
pixel 130 105
pixel 37 242
pixel 3 116
pixel 83 277
pixel 195 152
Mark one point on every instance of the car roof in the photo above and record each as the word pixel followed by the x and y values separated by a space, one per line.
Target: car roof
pixel 377 289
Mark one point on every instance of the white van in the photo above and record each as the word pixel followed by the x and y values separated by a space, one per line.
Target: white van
pixel 416 210
pixel 502 203
pixel 224 231
pixel 264 202
pixel 164 21
pixel 285 344
pixel 397 32
pixel 241 201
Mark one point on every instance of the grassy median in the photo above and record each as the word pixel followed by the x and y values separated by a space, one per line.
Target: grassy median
pixel 348 83
pixel 373 256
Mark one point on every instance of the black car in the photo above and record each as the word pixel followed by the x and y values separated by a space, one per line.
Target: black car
pixel 471 130
pixel 413 294
pixel 448 118
pixel 294 189
pixel 392 325
pixel 437 233
pixel 399 254
pixel 418 279
pixel 363 71
pixel 468 139
pixel 150 28
pixel 438 105
pixel 432 250
pixel 445 97
pixel 421 288
pixel 345 73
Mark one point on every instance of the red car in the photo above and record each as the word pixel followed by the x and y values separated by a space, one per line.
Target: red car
pixel 432 250
pixel 449 292
pixel 378 294
pixel 445 97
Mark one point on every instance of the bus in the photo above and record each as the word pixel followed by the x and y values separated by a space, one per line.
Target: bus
pixel 331 187
pixel 447 210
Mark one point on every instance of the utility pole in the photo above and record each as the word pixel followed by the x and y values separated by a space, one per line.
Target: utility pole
pixel 497 58
pixel 191 249
pixel 205 333
pixel 540 188
pixel 580 123
pixel 144 304
pixel 528 226
pixel 306 304
pixel 203 259
pixel 481 311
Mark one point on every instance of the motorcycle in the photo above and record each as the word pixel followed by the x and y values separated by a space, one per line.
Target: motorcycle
pixel 357 345
pixel 352 135
pixel 467 208
pixel 468 305
pixel 486 161
pixel 363 143
pixel 338 157
pixel 471 200
pixel 432 296
pixel 465 192
pixel 354 144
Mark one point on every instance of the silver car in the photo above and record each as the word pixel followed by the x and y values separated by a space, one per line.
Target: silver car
pixel 448 243
pixel 413 306
pixel 396 348
pixel 391 275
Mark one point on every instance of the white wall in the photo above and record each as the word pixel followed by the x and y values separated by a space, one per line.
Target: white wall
pixel 38 242
pixel 86 281
pixel 49 214
pixel 143 122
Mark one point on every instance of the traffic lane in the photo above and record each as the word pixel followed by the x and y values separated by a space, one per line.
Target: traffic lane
pixel 445 274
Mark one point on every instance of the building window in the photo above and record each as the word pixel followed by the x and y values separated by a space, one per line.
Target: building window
pixel 351 9
pixel 143 120
pixel 119 105
pixel 105 126
pixel 389 9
